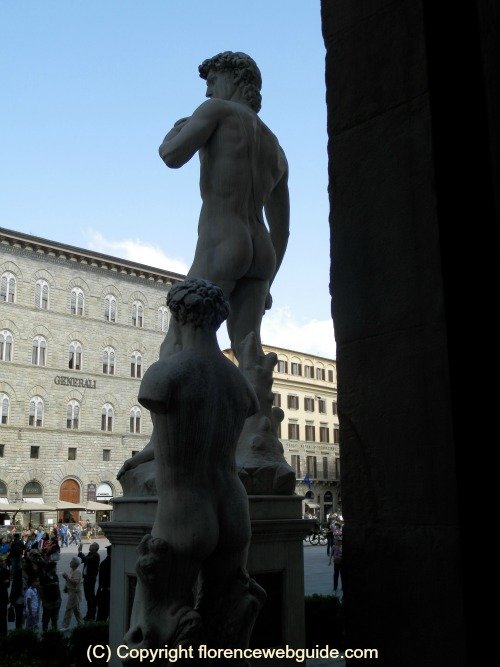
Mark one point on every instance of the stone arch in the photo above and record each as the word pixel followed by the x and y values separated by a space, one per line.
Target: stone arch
pixel 137 295
pixel 32 488
pixel 104 481
pixel 78 335
pixel 14 268
pixel 111 289
pixel 26 475
pixel 112 400
pixel 7 388
pixel 43 274
pixel 68 469
pixel 73 395
pixel 12 327
pixel 78 281
pixel 40 329
pixel 70 490
pixel 109 341
pixel 38 390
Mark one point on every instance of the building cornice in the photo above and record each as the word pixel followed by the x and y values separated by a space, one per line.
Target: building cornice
pixel 60 252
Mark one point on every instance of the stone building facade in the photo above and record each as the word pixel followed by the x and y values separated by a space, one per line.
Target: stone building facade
pixel 78 329
pixel 305 388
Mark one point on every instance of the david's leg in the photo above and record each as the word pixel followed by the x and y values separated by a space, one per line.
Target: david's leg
pixel 247 306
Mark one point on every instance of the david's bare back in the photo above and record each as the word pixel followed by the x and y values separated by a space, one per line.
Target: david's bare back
pixel 243 173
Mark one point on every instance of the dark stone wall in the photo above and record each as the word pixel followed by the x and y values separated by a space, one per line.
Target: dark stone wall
pixel 413 125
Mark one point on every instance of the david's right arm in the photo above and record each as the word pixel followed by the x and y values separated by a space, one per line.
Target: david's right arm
pixel 189 134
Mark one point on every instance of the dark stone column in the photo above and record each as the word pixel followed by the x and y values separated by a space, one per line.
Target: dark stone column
pixel 399 118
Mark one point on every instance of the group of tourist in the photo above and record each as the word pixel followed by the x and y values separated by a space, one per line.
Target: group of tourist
pixel 333 531
pixel 30 587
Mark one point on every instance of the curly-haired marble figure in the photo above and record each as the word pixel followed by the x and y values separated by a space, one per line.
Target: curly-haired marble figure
pixel 243 174
pixel 199 402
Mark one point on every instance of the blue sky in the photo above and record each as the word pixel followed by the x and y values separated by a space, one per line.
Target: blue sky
pixel 90 88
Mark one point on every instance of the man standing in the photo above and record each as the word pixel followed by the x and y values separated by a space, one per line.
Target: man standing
pixel 243 173
pixel 104 587
pixel 90 571
pixel 73 588
pixel 63 534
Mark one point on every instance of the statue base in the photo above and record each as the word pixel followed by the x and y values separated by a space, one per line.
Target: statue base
pixel 275 561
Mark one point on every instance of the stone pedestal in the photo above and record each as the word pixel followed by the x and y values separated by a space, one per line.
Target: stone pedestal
pixel 275 561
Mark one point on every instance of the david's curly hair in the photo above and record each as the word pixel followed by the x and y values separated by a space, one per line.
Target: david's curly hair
pixel 246 68
pixel 198 302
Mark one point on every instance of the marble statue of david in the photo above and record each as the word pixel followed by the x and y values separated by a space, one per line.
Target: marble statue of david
pixel 243 175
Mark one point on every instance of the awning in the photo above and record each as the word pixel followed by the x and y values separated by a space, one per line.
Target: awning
pixel 93 506
pixel 312 505
pixel 33 505
pixel 65 505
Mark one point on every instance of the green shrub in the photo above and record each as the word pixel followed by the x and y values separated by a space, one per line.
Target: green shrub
pixel 54 649
pixel 18 647
pixel 324 621
pixel 25 648
pixel 81 638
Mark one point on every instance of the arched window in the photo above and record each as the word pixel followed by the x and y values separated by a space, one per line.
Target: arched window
pixel 6 341
pixel 3 488
pixel 108 361
pixel 32 489
pixel 36 411
pixel 77 301
pixel 137 314
pixel 42 294
pixel 75 356
pixel 110 308
pixel 135 420
pixel 163 318
pixel 73 414
pixel 136 364
pixel 4 409
pixel 8 287
pixel 107 417
pixel 39 351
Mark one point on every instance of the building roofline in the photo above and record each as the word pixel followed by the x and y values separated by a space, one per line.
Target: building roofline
pixel 284 349
pixel 39 243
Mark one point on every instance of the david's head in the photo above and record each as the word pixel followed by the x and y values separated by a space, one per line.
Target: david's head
pixel 230 71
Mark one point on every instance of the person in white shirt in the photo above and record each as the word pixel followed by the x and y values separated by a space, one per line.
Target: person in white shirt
pixel 32 604
pixel 74 589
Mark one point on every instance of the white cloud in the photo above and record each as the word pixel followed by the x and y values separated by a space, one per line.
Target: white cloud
pixel 280 329
pixel 136 251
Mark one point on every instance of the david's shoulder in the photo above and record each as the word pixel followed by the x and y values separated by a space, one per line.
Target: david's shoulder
pixel 215 107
